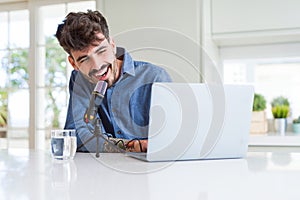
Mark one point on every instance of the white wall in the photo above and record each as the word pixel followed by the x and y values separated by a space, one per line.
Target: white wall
pixel 280 50
pixel 167 33
pixel 212 70
pixel 256 29
pixel 239 22
pixel 254 15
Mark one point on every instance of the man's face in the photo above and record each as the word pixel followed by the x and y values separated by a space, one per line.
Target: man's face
pixel 98 62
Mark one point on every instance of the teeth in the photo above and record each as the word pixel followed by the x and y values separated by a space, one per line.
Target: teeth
pixel 104 72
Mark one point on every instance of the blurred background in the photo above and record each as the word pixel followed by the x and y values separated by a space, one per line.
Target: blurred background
pixel 253 42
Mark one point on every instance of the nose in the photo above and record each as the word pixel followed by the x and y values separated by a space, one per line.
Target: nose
pixel 95 62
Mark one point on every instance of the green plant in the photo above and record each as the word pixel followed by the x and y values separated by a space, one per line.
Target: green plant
pixel 3 117
pixel 56 67
pixel 296 121
pixel 259 102
pixel 3 108
pixel 280 111
pixel 281 100
pixel 280 107
pixel 17 69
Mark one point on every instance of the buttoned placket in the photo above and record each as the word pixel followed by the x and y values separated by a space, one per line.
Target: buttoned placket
pixel 112 112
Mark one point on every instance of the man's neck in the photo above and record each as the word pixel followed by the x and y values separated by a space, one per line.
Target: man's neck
pixel 119 66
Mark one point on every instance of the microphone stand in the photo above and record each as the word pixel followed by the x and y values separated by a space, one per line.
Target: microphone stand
pixel 90 116
pixel 95 121
pixel 97 133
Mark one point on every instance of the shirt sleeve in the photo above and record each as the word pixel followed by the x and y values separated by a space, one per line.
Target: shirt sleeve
pixel 69 124
pixel 163 76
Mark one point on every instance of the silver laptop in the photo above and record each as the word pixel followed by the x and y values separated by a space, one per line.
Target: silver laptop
pixel 198 121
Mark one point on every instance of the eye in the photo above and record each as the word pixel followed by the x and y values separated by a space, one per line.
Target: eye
pixel 101 51
pixel 83 60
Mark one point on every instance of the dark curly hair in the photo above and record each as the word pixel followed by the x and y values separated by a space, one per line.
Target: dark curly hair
pixel 79 30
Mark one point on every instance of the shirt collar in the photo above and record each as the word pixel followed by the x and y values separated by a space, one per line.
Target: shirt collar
pixel 128 64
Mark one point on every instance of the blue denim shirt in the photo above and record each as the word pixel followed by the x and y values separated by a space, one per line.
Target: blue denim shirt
pixel 124 111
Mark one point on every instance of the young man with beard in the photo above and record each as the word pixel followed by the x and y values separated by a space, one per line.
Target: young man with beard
pixel 124 110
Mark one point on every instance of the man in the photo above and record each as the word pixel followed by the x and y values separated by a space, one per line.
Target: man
pixel 124 111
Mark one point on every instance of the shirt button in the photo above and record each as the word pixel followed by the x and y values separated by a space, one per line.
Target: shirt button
pixel 119 132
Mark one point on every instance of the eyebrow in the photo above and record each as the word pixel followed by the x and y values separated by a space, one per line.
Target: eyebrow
pixel 100 48
pixel 81 57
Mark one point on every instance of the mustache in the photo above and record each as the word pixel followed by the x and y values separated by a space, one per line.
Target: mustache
pixel 94 71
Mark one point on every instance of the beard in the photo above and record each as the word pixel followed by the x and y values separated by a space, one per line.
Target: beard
pixel 108 69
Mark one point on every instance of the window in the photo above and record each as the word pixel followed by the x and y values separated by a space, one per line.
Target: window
pixel 51 75
pixel 14 89
pixel 271 77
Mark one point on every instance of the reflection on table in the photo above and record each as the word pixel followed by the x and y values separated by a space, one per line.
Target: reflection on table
pixel 31 175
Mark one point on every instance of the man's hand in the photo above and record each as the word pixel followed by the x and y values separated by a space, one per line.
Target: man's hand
pixel 137 146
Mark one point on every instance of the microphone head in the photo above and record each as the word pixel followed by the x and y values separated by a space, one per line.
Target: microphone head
pixel 100 88
pixel 99 92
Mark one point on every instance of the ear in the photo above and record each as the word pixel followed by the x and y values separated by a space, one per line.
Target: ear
pixel 71 61
pixel 112 42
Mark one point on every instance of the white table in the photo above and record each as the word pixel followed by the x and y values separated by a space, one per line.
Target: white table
pixel 34 175
pixel 273 139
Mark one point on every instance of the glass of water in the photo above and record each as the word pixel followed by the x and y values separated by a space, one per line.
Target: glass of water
pixel 63 144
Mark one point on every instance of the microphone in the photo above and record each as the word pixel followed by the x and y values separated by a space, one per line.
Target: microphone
pixel 95 101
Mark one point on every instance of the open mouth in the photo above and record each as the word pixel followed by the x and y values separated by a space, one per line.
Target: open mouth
pixel 102 73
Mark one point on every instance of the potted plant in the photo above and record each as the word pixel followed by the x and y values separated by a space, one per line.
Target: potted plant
pixel 280 110
pixel 3 113
pixel 296 125
pixel 259 123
